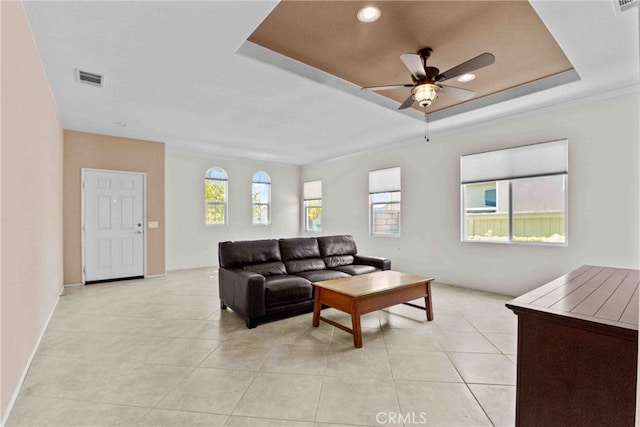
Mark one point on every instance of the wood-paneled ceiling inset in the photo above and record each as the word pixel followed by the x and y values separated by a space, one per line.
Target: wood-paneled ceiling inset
pixel 327 35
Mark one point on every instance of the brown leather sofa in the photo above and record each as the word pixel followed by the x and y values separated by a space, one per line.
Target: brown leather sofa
pixel 268 279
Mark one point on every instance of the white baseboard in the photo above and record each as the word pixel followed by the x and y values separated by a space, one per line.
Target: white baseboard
pixel 16 392
pixel 154 276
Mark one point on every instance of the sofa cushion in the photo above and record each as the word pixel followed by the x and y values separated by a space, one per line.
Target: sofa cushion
pixel 356 269
pixel 301 254
pixel 320 275
pixel 299 248
pixel 285 289
pixel 338 260
pixel 266 268
pixel 237 254
pixel 337 245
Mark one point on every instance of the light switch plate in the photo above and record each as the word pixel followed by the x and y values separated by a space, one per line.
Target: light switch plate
pixel 153 224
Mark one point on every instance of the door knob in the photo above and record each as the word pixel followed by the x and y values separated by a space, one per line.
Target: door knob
pixel 139 232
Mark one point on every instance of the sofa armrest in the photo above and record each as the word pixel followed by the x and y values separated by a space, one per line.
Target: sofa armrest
pixel 377 262
pixel 243 291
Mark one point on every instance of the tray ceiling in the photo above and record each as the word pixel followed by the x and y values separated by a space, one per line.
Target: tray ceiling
pixel 327 36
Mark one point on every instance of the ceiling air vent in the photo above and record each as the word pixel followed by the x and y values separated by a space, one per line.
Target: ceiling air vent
pixel 627 4
pixel 89 78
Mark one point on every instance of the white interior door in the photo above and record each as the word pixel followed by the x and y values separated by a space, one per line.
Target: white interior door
pixel 113 224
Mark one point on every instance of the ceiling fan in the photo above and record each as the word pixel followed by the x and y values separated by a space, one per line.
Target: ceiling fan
pixel 427 80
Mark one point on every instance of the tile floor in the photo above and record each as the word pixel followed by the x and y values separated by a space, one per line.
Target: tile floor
pixel 160 352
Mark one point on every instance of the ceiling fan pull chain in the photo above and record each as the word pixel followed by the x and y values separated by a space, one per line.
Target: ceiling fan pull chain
pixel 426 127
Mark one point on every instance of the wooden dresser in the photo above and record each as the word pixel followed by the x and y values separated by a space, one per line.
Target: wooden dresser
pixel 578 349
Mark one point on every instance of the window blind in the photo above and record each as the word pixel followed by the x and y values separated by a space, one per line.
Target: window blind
pixel 527 161
pixel 312 190
pixel 384 180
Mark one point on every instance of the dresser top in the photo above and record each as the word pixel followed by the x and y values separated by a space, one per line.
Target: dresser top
pixel 602 295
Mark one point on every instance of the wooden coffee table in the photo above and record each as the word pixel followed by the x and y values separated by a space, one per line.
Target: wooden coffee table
pixel 358 295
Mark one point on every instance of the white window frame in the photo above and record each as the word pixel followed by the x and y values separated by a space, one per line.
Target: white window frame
pixel 311 193
pixel 254 204
pixel 224 203
pixel 509 165
pixel 385 181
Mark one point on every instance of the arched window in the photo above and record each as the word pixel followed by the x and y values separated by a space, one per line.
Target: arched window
pixel 215 196
pixel 261 198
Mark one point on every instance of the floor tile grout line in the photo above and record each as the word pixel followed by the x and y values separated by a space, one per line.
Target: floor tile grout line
pixel 93 400
pixel 191 411
pixel 479 404
pixel 489 339
pixel 465 381
pixel 169 391
pixel 469 389
pixel 90 400
pixel 315 414
pixel 478 352
pixel 485 337
pixel 393 377
pixel 255 375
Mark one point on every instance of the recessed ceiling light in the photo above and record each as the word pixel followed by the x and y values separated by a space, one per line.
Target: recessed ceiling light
pixel 120 124
pixel 369 14
pixel 466 78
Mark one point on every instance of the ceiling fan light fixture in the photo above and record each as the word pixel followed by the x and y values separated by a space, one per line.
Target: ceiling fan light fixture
pixel 466 77
pixel 425 93
pixel 369 14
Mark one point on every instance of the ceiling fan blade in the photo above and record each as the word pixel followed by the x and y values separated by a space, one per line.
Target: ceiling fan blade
pixel 414 63
pixel 387 87
pixel 456 92
pixel 466 67
pixel 407 103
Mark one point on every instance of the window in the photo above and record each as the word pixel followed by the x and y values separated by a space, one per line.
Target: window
pixel 384 202
pixel 490 197
pixel 261 199
pixel 312 195
pixel 516 195
pixel 215 196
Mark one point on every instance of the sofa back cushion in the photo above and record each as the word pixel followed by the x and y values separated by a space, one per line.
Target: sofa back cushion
pixel 337 250
pixel 248 252
pixel 299 248
pixel 301 254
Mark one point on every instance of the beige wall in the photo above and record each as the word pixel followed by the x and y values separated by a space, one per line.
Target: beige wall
pixel 31 200
pixel 88 150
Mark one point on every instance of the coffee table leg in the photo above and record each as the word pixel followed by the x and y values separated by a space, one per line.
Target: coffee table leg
pixel 355 325
pixel 427 302
pixel 316 307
